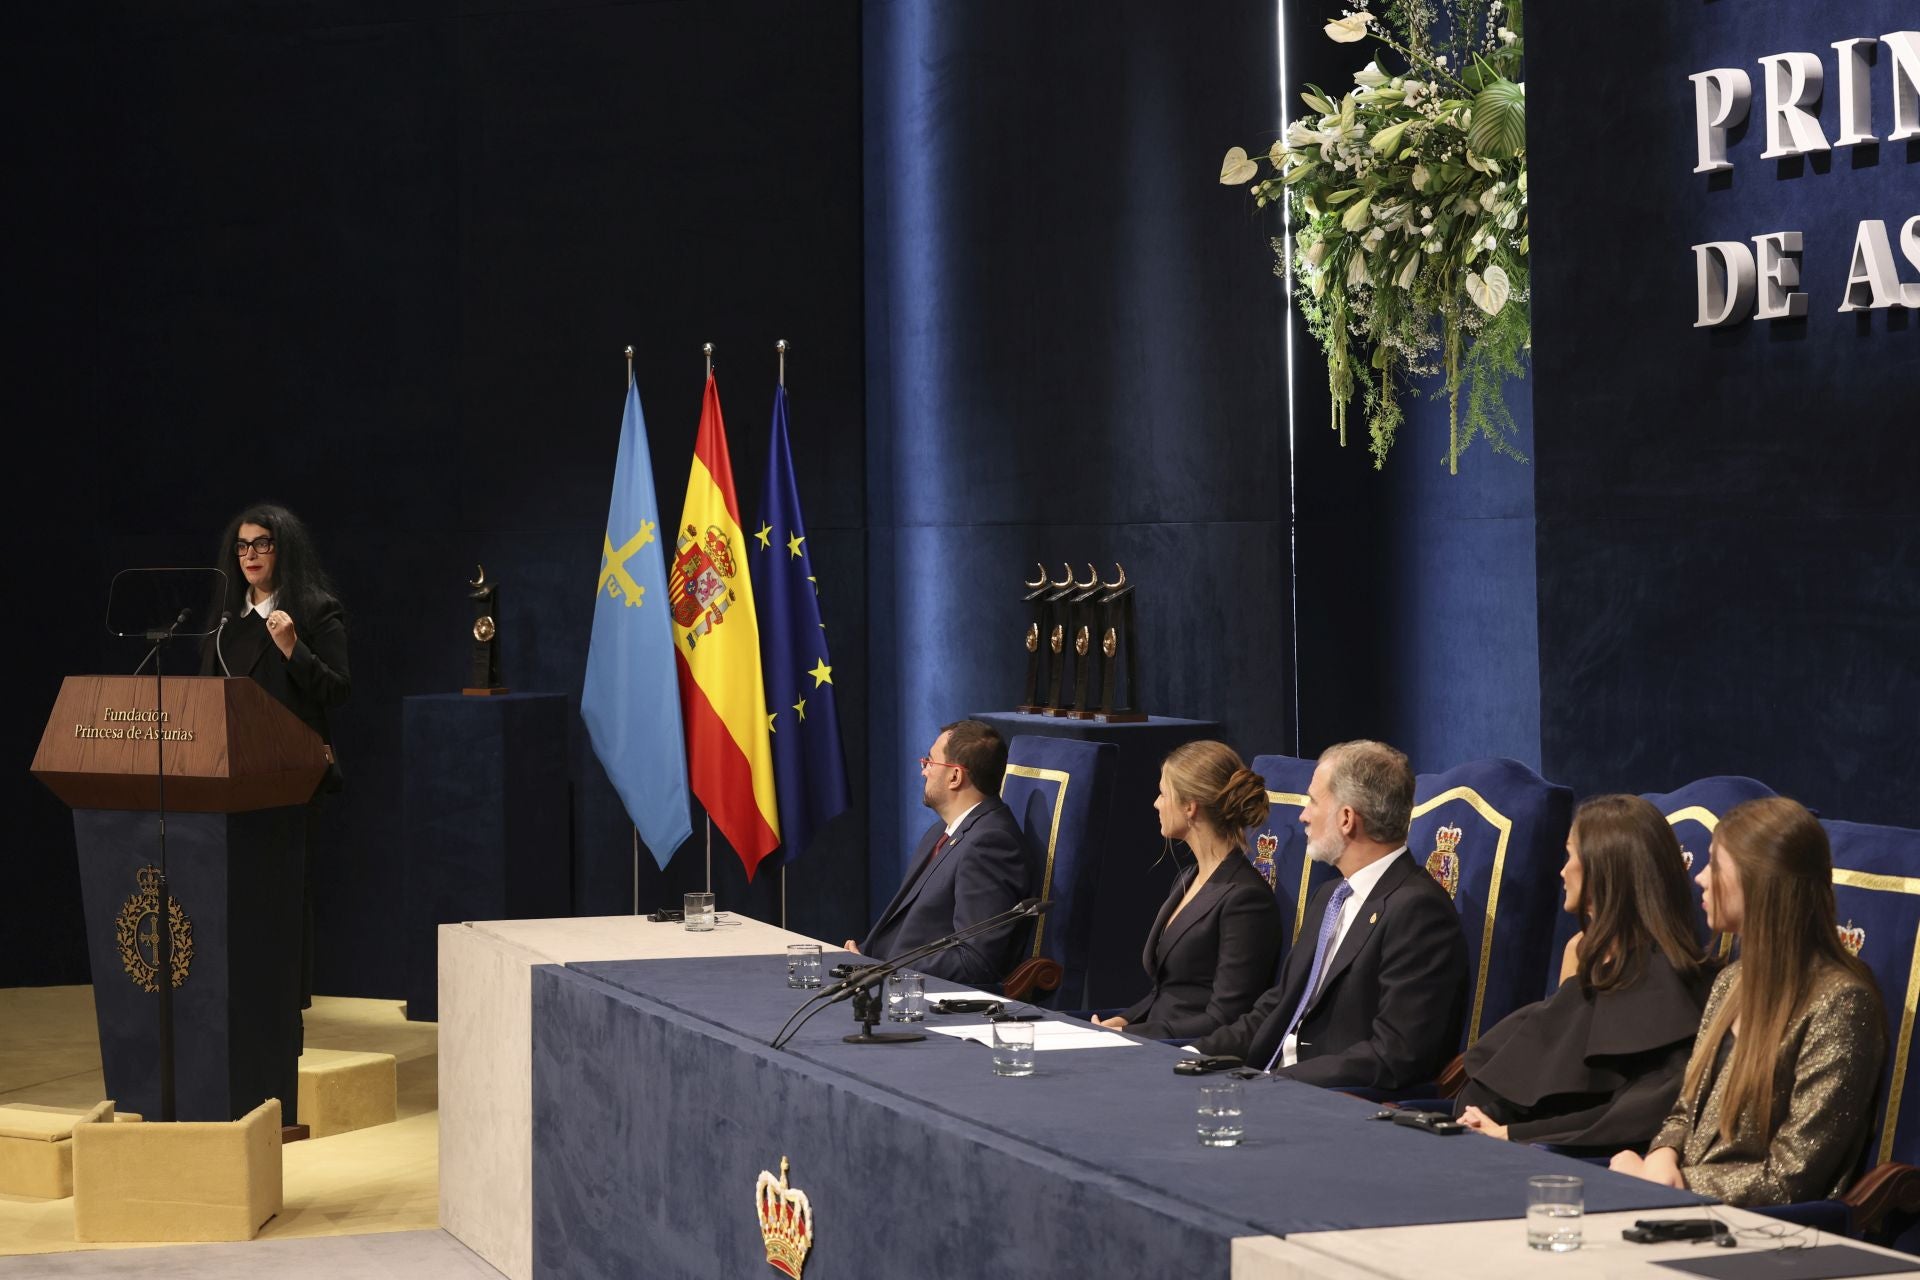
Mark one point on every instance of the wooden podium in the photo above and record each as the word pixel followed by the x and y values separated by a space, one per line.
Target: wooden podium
pixel 239 769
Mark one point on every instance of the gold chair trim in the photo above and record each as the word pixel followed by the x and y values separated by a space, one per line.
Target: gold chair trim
pixel 1062 777
pixel 1876 883
pixel 1504 825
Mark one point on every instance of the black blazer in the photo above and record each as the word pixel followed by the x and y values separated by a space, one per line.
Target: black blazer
pixel 985 869
pixel 1389 1010
pixel 1210 966
pixel 308 683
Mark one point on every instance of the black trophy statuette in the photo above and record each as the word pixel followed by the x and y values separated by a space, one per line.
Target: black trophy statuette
pixel 483 678
pixel 1055 639
pixel 1083 612
pixel 1117 648
pixel 1039 623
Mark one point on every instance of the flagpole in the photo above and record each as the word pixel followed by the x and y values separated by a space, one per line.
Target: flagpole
pixel 780 349
pixel 706 349
pixel 636 829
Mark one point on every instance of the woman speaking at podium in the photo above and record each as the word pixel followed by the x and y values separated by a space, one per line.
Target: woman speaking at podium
pixel 285 629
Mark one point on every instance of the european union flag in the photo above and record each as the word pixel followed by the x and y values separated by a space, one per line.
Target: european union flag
pixel 809 768
pixel 631 701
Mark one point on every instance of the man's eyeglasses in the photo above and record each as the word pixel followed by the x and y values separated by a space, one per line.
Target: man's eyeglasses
pixel 941 764
pixel 262 545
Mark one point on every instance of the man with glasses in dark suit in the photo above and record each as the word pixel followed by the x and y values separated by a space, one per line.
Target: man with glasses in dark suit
pixel 971 865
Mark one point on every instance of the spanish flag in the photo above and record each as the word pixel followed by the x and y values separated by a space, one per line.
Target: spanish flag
pixel 717 647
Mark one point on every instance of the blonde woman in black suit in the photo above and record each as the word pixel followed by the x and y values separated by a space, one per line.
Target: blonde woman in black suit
pixel 1212 947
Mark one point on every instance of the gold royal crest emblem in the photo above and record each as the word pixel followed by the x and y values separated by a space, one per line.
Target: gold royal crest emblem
pixel 1443 864
pixel 1852 937
pixel 1265 845
pixel 136 931
pixel 786 1221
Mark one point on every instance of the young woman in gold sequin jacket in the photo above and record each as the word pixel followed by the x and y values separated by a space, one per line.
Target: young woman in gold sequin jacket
pixel 1776 1106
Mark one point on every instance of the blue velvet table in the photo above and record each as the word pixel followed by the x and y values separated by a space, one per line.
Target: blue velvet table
pixel 657 1103
pixel 1135 875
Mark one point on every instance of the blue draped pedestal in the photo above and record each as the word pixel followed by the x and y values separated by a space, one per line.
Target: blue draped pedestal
pixel 657 1103
pixel 486 820
pixel 1135 874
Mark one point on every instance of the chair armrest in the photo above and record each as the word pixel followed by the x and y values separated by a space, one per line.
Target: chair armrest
pixel 1889 1190
pixel 1453 1077
pixel 1037 974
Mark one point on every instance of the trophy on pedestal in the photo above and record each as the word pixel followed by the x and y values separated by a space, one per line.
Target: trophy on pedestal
pixel 1082 614
pixel 1039 625
pixel 1117 649
pixel 1055 638
pixel 483 677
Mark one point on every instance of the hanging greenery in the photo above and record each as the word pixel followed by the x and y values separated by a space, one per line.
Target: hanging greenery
pixel 1406 199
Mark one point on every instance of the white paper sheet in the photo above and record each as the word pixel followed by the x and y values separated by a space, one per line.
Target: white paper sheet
pixel 1046 1035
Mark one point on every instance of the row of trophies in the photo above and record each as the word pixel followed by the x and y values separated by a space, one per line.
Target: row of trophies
pixel 1080 636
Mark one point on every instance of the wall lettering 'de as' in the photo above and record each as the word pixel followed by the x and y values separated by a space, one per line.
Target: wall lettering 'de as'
pixel 1734 282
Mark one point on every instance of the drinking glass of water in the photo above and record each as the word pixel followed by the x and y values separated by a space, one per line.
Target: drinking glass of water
pixel 906 997
pixel 1013 1048
pixel 697 911
pixel 803 966
pixel 1555 1202
pixel 1220 1121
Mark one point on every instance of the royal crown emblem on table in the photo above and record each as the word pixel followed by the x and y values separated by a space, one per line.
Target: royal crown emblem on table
pixel 701 585
pixel 1443 864
pixel 1852 937
pixel 786 1221
pixel 1265 845
pixel 136 931
pixel 1686 857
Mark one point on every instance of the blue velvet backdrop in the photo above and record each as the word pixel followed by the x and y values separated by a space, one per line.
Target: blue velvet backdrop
pixel 1073 354
pixel 1729 555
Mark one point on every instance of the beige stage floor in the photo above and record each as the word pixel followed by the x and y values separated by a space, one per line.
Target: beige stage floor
pixel 373 1180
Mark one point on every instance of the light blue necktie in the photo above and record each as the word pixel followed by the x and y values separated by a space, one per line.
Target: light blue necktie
pixel 1329 925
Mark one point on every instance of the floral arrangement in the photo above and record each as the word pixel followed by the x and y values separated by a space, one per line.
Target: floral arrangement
pixel 1406 203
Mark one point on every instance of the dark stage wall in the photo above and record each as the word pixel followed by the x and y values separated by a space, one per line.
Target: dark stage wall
pixel 1729 553
pixel 378 261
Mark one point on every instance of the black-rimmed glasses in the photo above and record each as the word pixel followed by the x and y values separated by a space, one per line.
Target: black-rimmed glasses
pixel 262 545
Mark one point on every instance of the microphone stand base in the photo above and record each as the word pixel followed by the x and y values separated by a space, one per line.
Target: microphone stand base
pixel 871 1036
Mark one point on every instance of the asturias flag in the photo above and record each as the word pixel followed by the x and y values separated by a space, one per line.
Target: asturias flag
pixel 631 702
pixel 807 760
pixel 717 640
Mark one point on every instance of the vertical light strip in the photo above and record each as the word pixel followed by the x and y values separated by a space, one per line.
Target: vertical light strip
pixel 1293 514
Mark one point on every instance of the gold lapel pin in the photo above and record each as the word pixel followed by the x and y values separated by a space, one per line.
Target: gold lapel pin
pixel 1374 918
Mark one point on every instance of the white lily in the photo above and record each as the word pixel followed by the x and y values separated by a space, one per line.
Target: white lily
pixel 1357 271
pixel 1420 175
pixel 1277 154
pixel 1301 135
pixel 1408 272
pixel 1370 76
pixel 1349 29
pixel 1315 252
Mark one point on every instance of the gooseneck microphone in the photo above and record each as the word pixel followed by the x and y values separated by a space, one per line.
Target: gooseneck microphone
pixel 226 616
pixel 861 982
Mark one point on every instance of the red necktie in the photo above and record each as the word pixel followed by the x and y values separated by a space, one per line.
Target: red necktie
pixel 938 845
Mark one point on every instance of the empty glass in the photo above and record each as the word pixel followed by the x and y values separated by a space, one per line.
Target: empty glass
pixel 906 997
pixel 1555 1202
pixel 1013 1048
pixel 697 911
pixel 1220 1120
pixel 803 966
